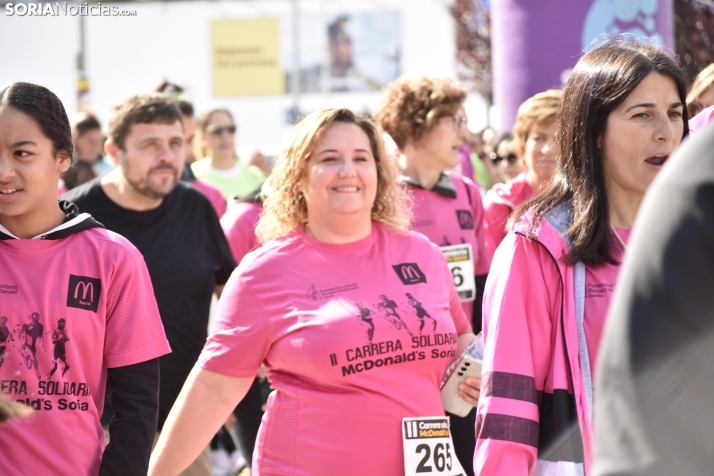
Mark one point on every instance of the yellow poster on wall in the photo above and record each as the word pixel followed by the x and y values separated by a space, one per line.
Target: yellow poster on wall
pixel 246 57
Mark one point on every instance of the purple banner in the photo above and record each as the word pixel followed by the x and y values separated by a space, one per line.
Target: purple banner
pixel 537 43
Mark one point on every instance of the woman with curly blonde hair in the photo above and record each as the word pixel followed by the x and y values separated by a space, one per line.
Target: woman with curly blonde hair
pixel 285 207
pixel 324 304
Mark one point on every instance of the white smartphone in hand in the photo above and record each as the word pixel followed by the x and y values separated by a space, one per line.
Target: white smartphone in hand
pixel 468 366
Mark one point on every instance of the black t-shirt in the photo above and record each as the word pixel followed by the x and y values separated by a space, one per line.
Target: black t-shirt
pixel 187 255
pixel 655 378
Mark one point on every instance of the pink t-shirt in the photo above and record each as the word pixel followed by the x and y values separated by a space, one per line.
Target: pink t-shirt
pixel 466 167
pixel 239 224
pixel 600 284
pixel 213 194
pixel 701 120
pixel 355 336
pixel 448 220
pixel 74 307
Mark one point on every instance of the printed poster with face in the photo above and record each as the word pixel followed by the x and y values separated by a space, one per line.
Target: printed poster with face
pixel 342 52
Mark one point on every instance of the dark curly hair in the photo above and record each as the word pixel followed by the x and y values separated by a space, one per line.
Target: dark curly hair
pixel 45 108
pixel 411 107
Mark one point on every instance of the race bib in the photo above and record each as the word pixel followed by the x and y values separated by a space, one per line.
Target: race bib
pixel 460 259
pixel 428 447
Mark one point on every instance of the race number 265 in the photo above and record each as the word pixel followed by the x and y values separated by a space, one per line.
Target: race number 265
pixel 441 458
pixel 428 447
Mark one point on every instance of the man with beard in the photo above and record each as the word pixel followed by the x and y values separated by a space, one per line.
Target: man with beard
pixel 188 113
pixel 170 222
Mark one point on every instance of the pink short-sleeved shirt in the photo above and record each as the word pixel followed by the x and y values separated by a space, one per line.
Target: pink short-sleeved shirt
pixel 355 337
pixel 600 284
pixel 213 194
pixel 701 120
pixel 69 309
pixel 450 214
pixel 500 201
pixel 239 224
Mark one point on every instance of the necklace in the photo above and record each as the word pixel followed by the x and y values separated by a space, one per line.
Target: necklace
pixel 619 238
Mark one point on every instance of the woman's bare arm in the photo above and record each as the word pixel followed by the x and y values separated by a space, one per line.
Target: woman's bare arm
pixel 206 400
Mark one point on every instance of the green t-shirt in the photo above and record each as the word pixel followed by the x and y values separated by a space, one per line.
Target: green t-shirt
pixel 241 180
pixel 480 172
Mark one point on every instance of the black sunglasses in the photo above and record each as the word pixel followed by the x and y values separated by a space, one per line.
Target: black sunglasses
pixel 511 158
pixel 218 131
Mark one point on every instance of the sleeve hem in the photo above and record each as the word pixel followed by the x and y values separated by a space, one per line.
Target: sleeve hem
pixel 227 370
pixel 131 358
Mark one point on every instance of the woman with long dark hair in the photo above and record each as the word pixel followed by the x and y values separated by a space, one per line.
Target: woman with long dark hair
pixel 553 276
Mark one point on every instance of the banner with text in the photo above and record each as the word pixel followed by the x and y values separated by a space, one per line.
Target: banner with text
pixel 246 57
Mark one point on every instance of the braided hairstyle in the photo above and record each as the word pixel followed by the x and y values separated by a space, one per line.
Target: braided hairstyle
pixel 45 108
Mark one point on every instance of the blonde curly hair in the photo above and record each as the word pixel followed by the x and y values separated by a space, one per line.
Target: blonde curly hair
pixel 411 107
pixel 703 81
pixel 284 207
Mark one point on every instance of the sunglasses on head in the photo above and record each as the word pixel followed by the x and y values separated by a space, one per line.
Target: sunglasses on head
pixel 218 131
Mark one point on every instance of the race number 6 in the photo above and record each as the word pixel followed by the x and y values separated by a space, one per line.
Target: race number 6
pixel 458 277
pixel 460 259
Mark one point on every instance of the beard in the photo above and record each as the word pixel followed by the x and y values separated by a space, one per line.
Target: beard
pixel 146 186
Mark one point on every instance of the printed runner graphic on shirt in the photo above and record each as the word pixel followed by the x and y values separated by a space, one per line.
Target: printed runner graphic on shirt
pixel 30 341
pixel 420 312
pixel 59 339
pixel 364 314
pixel 5 336
pixel 29 334
pixel 393 327
pixel 386 309
pixel 376 353
pixel 389 309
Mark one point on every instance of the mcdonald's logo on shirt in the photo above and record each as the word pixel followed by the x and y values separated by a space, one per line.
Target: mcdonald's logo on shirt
pixel 84 292
pixel 466 219
pixel 409 273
